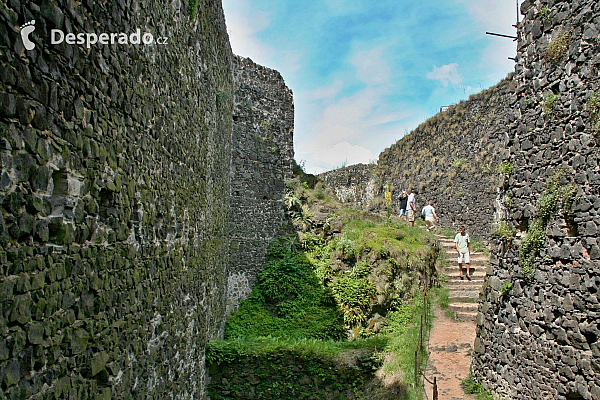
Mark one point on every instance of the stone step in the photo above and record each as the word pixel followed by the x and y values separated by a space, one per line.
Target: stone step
pixel 474 266
pixel 466 316
pixel 463 295
pixel 453 255
pixel 463 307
pixel 454 275
pixel 465 285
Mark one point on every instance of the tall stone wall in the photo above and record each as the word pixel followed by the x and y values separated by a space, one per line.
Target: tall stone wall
pixel 539 321
pixel 355 184
pixel 452 158
pixel 114 196
pixel 262 158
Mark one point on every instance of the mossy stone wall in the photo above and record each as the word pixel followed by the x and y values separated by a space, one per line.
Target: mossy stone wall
pixel 113 200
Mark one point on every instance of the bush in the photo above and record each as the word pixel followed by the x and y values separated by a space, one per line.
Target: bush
pixel 355 296
pixel 558 47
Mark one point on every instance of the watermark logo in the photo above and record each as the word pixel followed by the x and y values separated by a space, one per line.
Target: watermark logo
pixel 91 38
pixel 26 29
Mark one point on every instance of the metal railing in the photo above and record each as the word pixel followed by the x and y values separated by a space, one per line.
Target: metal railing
pixel 423 324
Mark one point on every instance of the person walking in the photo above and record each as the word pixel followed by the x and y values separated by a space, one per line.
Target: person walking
pixel 412 207
pixel 463 247
pixel 403 197
pixel 430 216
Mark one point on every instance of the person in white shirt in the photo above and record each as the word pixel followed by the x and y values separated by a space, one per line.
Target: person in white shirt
pixel 412 207
pixel 430 216
pixel 463 246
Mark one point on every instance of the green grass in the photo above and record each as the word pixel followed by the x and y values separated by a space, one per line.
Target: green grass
pixel 443 298
pixel 221 351
pixel 471 386
pixel 452 315
pixel 447 232
pixel 478 247
pixel 402 333
pixel 317 291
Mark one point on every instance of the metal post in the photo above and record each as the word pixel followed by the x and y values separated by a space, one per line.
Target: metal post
pixel 435 389
pixel 421 334
pixel 416 368
pixel 425 308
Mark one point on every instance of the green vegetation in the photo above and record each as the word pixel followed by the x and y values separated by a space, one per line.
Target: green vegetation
pixel 193 4
pixel 287 300
pixel 506 288
pixel 545 14
pixel 471 386
pixel 458 163
pixel 506 168
pixel 550 104
pixel 444 298
pixel 594 109
pixel 345 287
pixel 283 367
pixel 558 47
pixel 556 194
pixel 503 230
pixel 402 334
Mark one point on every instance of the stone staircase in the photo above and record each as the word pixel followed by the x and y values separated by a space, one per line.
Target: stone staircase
pixel 463 294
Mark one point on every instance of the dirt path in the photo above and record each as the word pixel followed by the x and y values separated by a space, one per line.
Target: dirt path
pixel 451 339
pixel 450 347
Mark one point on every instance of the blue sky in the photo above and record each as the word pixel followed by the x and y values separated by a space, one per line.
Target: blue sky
pixel 365 73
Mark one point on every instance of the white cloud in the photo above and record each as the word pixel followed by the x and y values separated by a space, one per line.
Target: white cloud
pixel 328 91
pixel 371 68
pixel 495 58
pixel 357 116
pixel 341 153
pixel 495 16
pixel 446 74
pixel 243 22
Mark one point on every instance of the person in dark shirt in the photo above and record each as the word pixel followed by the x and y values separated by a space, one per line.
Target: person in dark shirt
pixel 403 197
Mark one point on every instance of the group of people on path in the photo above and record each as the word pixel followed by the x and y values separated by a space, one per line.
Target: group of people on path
pixel 408 210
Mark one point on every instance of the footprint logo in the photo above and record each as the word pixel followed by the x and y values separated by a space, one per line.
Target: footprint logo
pixel 26 29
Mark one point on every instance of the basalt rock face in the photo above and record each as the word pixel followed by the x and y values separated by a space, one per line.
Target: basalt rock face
pixel 262 159
pixel 114 198
pixel 539 321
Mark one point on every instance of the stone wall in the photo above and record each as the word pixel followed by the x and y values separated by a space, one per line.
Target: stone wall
pixel 539 321
pixel 113 200
pixel 452 158
pixel 355 184
pixel 262 158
